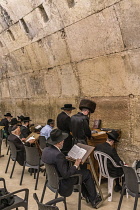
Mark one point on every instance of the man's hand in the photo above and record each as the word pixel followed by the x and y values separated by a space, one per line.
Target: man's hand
pixel 77 162
pixel 23 139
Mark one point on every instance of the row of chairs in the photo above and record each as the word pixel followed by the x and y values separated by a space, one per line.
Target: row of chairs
pixel 32 161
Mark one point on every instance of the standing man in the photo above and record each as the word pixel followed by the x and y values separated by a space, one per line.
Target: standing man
pixel 80 121
pixel 53 155
pixel 5 122
pixel 64 124
pixel 107 147
pixel 45 131
pixel 25 131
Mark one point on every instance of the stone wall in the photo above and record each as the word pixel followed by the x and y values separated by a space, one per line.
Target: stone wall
pixel 59 51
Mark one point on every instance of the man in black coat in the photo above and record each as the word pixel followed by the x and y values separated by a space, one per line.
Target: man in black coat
pixel 5 122
pixel 64 124
pixel 80 121
pixel 107 148
pixel 15 138
pixel 53 155
pixel 25 131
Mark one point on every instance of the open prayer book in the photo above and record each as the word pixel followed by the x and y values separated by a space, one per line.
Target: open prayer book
pixel 33 135
pixel 80 151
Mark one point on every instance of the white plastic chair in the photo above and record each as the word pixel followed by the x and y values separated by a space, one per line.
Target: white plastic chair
pixel 102 159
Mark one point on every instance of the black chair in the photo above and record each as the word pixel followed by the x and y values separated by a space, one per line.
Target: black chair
pixel 52 182
pixel 42 142
pixel 132 184
pixel 12 156
pixel 18 201
pixel 33 161
pixel 51 204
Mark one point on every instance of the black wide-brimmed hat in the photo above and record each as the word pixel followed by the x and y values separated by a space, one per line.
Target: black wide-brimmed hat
pixel 21 117
pixel 8 115
pixel 26 119
pixel 113 135
pixel 68 107
pixel 88 104
pixel 14 121
pixel 56 136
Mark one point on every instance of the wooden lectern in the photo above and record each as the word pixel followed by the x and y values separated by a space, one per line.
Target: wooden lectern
pixel 87 158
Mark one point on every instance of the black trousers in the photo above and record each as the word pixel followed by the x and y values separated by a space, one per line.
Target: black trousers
pixel 88 184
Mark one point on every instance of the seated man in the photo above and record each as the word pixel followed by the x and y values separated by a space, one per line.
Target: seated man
pixel 25 131
pixel 45 131
pixel 5 122
pixel 107 148
pixel 53 155
pixel 15 138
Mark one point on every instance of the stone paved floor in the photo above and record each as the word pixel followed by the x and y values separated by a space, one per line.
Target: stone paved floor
pixel 29 182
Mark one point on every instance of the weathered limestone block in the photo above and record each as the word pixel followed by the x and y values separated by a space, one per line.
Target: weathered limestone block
pixel 52 82
pixel 94 36
pixel 129 18
pixel 43 21
pixel 101 76
pixel 3 48
pixel 17 87
pixel 73 11
pixel 69 82
pixel 22 60
pixel 132 64
pixel 16 9
pixel 115 113
pixel 35 85
pixel 5 89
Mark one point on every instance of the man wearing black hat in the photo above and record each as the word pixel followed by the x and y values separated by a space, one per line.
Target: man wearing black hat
pixel 80 121
pixel 13 122
pixel 107 148
pixel 5 122
pixel 64 124
pixel 25 131
pixel 53 155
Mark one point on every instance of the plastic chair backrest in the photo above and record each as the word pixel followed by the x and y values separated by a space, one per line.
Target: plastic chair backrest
pixel 32 156
pixel 131 179
pixel 52 178
pixel 13 150
pixel 103 159
pixel 42 206
pixel 42 142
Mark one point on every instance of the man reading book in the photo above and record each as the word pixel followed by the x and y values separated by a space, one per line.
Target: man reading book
pixel 53 155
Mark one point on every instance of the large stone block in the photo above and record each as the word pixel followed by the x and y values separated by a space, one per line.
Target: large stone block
pixel 94 36
pixel 101 76
pixel 69 81
pixel 129 18
pixel 5 89
pixel 43 21
pixel 72 11
pixel 17 8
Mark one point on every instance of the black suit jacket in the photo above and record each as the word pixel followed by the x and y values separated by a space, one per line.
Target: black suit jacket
pixel 108 149
pixel 25 132
pixel 64 124
pixel 80 126
pixel 5 122
pixel 19 146
pixel 51 155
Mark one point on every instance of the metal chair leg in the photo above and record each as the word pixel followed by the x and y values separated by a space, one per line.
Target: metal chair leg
pixel 22 174
pixel 13 169
pixel 7 165
pixel 43 193
pixel 121 198
pixel 135 203
pixel 37 178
